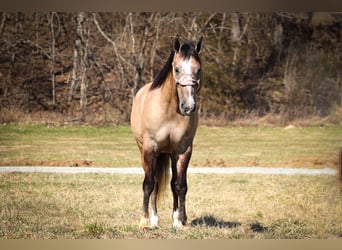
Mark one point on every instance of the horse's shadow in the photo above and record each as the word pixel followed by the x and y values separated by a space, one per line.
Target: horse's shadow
pixel 211 221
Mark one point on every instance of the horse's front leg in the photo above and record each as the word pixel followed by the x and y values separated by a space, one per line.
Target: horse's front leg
pixel 154 220
pixel 148 160
pixel 179 187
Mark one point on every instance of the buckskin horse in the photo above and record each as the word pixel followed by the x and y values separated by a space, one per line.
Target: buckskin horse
pixel 164 120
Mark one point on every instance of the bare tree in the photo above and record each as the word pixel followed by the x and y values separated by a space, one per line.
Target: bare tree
pixel 53 55
pixel 223 21
pixel 245 53
pixel 84 66
pixel 235 27
pixel 118 57
pixel 277 39
pixel 236 35
pixel 77 49
pixel 138 57
pixel 80 60
pixel 3 22
pixel 155 43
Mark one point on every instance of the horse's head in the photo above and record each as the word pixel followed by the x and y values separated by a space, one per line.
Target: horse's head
pixel 187 74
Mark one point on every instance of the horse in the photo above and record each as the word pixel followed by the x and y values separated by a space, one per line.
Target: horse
pixel 164 120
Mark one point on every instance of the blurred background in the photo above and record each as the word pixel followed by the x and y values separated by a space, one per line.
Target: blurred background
pixel 83 68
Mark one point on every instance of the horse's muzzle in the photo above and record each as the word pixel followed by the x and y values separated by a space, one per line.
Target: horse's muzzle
pixel 186 97
pixel 186 109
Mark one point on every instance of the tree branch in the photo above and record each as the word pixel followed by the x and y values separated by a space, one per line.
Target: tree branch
pixel 119 58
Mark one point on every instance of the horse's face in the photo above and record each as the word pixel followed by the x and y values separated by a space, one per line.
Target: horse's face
pixel 187 74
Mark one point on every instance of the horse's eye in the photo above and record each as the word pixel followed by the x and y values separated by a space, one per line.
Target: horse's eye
pixel 198 73
pixel 177 70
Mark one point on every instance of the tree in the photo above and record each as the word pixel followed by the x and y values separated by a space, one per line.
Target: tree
pixel 53 56
pixel 80 59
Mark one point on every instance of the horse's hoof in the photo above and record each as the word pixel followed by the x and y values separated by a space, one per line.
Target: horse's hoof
pixel 143 224
pixel 177 223
pixel 180 227
pixel 154 221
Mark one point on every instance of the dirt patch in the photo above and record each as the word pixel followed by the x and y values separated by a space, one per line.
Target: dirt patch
pixel 69 163
pixel 312 162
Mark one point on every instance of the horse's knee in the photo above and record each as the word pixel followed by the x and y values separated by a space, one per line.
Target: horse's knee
pixel 148 185
pixel 181 187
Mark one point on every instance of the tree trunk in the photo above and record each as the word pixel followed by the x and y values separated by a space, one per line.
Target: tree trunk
pixel 77 49
pixel 277 39
pixel 154 45
pixel 118 58
pixel 84 67
pixel 235 27
pixel 3 22
pixel 139 57
pixel 235 36
pixel 134 57
pixel 224 16
pixel 53 42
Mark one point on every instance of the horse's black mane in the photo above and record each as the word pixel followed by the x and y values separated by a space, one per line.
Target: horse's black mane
pixel 187 51
pixel 161 76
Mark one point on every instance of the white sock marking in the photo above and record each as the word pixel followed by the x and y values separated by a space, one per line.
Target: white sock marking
pixel 176 222
pixel 154 220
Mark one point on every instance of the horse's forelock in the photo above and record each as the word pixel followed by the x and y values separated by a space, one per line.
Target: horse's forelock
pixel 188 50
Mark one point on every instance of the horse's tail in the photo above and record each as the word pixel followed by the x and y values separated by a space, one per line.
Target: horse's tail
pixel 162 173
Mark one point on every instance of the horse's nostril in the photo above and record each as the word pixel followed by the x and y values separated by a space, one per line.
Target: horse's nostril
pixel 193 107
pixel 187 109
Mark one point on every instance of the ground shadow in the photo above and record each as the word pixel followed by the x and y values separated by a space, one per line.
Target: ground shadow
pixel 258 227
pixel 211 221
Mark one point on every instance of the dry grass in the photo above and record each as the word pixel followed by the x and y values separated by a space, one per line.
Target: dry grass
pixel 228 206
pixel 38 206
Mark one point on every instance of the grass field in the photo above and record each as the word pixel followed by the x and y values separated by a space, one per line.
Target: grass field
pixel 240 206
pixel 313 147
pixel 234 206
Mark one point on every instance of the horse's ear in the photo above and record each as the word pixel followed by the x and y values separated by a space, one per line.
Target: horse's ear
pixel 199 46
pixel 176 44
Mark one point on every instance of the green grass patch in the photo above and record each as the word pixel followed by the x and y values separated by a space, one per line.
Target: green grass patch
pixel 94 228
pixel 67 146
pixel 314 147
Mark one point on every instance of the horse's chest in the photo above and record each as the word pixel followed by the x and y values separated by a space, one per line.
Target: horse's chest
pixel 172 136
pixel 178 138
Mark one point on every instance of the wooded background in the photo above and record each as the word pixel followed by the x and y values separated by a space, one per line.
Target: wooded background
pixel 83 68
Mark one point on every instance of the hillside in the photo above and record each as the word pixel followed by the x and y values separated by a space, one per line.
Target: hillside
pixel 82 68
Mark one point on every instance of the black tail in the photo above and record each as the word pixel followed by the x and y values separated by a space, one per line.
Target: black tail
pixel 162 173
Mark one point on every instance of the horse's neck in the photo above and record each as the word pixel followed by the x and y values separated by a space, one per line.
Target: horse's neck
pixel 168 91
